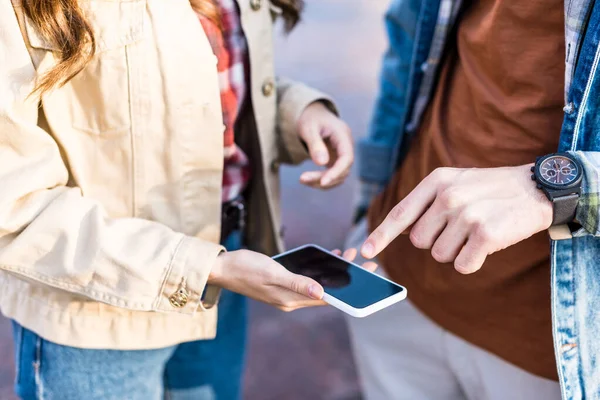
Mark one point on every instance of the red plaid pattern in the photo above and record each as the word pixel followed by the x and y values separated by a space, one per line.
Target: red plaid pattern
pixel 230 47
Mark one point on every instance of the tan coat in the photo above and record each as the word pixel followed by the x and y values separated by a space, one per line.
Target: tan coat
pixel 110 187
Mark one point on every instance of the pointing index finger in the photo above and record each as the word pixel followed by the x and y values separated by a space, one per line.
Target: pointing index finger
pixel 402 216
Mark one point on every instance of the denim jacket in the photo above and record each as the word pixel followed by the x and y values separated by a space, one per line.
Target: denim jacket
pixel 418 32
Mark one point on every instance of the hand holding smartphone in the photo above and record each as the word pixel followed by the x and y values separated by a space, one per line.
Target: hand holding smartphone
pixel 348 287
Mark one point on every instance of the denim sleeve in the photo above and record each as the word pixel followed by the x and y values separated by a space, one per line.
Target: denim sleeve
pixel 588 210
pixel 376 152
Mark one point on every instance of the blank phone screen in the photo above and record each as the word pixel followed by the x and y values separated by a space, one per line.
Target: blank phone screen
pixel 340 279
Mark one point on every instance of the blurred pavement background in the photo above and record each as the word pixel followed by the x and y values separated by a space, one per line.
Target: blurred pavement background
pixel 305 355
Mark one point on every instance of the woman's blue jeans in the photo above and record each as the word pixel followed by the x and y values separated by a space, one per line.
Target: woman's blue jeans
pixel 200 370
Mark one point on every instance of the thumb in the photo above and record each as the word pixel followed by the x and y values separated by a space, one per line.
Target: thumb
pixel 316 145
pixel 303 285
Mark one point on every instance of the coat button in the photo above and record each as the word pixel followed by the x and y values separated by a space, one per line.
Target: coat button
pixel 255 4
pixel 179 299
pixel 275 166
pixel 268 87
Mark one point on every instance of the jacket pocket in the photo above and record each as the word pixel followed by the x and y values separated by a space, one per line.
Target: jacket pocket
pixel 97 99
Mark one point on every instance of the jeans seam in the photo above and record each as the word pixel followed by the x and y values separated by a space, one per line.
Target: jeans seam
pixel 37 364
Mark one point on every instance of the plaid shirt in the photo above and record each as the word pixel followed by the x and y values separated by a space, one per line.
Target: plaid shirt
pixel 588 209
pixel 229 45
pixel 446 18
pixel 576 14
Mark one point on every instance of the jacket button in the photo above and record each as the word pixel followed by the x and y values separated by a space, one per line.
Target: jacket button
pixel 275 166
pixel 179 299
pixel 569 108
pixel 255 4
pixel 268 87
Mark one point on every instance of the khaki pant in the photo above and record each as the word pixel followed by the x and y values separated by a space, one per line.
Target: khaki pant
pixel 401 354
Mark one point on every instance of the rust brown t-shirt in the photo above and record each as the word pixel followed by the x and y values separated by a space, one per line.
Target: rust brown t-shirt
pixel 498 102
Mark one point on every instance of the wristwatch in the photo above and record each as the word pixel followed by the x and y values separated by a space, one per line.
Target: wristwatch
pixel 559 177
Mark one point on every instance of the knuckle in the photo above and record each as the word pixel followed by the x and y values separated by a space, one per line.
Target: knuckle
pixel 471 217
pixel 268 275
pixel 379 235
pixel 397 213
pixel 313 141
pixel 320 143
pixel 484 234
pixel 295 286
pixel 440 255
pixel 451 198
pixel 464 268
pixel 468 264
pixel 318 146
pixel 439 174
pixel 417 239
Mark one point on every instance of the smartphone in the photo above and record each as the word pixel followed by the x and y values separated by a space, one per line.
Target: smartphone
pixel 348 287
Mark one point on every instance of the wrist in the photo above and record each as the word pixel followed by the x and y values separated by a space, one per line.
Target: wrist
pixel 542 204
pixel 216 273
pixel 545 208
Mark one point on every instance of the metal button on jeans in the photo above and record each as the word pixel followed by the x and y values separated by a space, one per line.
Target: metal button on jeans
pixel 268 87
pixel 255 4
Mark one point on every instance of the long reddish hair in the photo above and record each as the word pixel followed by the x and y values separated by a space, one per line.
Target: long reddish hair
pixel 63 23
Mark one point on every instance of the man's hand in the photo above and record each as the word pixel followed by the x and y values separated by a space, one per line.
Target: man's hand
pixel 329 142
pixel 464 215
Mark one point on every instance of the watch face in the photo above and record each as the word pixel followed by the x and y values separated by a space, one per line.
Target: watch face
pixel 558 171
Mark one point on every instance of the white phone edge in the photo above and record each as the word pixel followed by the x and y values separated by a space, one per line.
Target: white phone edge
pixel 345 307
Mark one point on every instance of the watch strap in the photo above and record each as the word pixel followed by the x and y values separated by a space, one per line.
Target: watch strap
pixel 565 208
